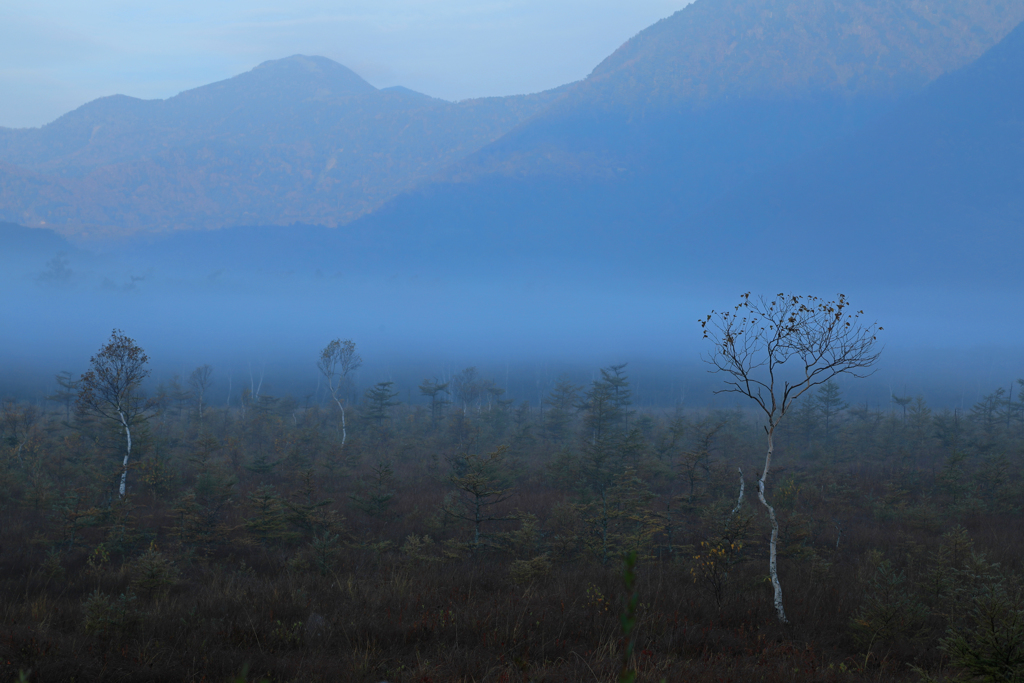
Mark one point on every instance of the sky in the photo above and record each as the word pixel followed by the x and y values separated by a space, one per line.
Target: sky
pixel 56 55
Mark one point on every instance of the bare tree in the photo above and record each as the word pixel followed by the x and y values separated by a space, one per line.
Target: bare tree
pixel 110 390
pixel 752 345
pixel 337 361
pixel 200 381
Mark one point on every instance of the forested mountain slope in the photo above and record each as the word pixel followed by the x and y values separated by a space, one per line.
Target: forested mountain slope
pixel 692 113
pixel 297 139
pixel 931 192
pixel 690 107
pixel 828 63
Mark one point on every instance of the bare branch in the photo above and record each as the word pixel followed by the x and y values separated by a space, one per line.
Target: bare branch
pixel 752 345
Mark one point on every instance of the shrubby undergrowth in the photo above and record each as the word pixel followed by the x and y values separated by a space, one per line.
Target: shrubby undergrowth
pixel 473 539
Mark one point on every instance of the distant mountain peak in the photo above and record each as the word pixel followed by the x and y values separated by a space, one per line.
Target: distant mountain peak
pixel 715 49
pixel 299 77
pixel 316 67
pixel 312 63
pixel 299 139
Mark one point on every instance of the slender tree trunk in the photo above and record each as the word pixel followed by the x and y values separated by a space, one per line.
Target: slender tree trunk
pixel 743 486
pixel 128 453
pixel 773 547
pixel 344 433
pixel 342 409
pixel 20 446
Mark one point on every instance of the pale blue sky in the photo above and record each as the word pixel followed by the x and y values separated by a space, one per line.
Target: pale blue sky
pixel 58 54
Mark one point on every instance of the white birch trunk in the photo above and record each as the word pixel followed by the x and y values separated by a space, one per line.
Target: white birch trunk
pixel 20 446
pixel 128 453
pixel 342 409
pixel 773 546
pixel 743 486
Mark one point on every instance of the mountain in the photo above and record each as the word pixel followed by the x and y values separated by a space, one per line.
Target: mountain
pixel 696 104
pixel 929 193
pixel 603 223
pixel 730 49
pixel 720 94
pixel 297 139
pixel 926 195
pixel 723 68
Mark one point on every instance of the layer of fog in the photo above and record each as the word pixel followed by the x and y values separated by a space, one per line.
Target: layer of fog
pixel 522 330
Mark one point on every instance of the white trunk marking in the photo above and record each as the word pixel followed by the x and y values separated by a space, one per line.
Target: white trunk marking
pixel 128 453
pixel 342 409
pixel 743 486
pixel 773 546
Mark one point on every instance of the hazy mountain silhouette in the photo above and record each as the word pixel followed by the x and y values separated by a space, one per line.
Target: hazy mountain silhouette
pixel 692 106
pixel 709 100
pixel 738 70
pixel 297 139
pixel 930 191
pixel 927 193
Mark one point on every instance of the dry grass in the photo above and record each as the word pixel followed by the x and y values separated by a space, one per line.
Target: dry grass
pixel 140 597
